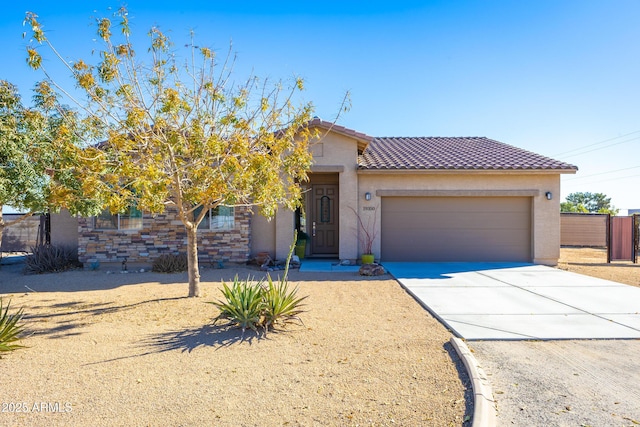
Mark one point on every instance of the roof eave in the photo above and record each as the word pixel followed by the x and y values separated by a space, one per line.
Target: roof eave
pixel 362 170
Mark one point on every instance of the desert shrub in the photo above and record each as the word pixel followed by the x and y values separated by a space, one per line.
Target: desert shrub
pixel 281 305
pixel 170 263
pixel 51 259
pixel 10 328
pixel 262 304
pixel 243 304
pixel 253 305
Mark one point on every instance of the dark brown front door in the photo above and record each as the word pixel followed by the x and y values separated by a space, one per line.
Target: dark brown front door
pixel 324 221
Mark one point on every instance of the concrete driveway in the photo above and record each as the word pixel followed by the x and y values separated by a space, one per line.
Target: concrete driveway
pixel 511 301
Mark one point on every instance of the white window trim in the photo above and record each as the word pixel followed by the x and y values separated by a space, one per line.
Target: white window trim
pixel 118 226
pixel 229 224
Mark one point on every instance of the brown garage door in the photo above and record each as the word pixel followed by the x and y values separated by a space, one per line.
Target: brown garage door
pixel 456 229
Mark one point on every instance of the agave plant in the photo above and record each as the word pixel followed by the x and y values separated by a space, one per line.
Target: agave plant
pixel 243 304
pixel 254 305
pixel 10 328
pixel 50 259
pixel 280 304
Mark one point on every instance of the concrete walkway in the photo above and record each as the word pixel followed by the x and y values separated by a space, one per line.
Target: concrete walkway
pixel 510 301
pixel 326 266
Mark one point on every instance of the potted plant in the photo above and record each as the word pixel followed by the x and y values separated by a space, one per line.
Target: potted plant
pixel 301 244
pixel 367 236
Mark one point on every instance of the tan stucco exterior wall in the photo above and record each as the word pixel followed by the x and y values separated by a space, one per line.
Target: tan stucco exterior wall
pixel 64 229
pixel 263 234
pixel 545 219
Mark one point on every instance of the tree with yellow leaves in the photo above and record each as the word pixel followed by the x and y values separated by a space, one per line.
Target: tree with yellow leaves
pixel 177 134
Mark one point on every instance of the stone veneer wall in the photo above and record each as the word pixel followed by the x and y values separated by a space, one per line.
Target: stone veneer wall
pixel 163 234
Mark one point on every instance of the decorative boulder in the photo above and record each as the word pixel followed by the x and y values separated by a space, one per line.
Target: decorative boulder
pixel 372 270
pixel 262 258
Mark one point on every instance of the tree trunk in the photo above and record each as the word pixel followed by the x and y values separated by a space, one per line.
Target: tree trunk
pixel 192 260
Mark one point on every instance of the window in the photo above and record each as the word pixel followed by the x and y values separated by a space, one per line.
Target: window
pixel 218 218
pixel 130 220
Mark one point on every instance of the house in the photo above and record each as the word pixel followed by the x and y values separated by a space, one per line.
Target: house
pixel 426 199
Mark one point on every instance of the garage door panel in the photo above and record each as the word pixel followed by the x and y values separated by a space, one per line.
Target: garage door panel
pixel 441 239
pixel 461 204
pixel 454 220
pixel 453 226
pixel 463 253
pixel 451 220
pixel 456 229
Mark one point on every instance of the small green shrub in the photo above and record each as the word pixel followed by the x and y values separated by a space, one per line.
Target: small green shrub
pixel 51 259
pixel 10 328
pixel 170 263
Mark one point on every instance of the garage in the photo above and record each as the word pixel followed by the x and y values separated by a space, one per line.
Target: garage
pixel 456 229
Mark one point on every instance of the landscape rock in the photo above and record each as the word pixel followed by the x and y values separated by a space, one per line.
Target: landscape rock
pixel 372 270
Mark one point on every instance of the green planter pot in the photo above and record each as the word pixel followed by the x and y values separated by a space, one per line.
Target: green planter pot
pixel 301 247
pixel 368 258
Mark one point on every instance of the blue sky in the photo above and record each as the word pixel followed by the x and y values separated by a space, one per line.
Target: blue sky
pixel 557 77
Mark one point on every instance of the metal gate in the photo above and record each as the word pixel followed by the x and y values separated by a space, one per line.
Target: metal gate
pixel 622 239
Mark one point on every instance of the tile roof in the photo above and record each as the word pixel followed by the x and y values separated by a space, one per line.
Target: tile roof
pixel 452 153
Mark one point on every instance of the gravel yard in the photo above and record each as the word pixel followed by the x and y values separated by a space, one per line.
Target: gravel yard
pixel 132 350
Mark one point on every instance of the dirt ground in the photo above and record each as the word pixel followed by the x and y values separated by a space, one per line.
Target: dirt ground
pixel 593 262
pixel 132 350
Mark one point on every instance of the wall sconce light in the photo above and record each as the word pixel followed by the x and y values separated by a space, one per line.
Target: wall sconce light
pixel 548 195
pixel 367 196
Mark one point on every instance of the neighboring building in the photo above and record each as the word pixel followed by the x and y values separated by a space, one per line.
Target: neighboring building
pixel 426 199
